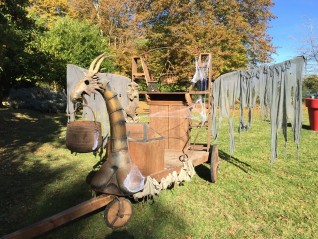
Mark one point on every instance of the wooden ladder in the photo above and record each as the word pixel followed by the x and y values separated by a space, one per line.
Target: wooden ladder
pixel 208 93
pixel 139 70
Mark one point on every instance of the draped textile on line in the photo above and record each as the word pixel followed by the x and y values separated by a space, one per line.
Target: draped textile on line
pixel 279 89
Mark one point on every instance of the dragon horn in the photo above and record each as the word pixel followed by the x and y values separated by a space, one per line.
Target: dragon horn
pixel 91 67
pixel 96 69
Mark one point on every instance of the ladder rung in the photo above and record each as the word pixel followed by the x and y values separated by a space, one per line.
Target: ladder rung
pixel 139 74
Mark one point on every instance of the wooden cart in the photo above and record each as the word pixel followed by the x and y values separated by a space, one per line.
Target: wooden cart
pixel 171 116
pixel 157 148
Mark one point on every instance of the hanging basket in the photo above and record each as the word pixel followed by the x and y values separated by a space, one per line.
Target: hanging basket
pixel 84 136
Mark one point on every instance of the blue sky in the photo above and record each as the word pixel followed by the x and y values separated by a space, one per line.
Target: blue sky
pixel 289 28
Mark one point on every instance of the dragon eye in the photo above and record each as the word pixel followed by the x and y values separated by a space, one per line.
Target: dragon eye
pixel 86 82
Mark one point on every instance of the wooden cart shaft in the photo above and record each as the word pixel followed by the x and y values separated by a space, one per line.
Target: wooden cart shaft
pixel 61 218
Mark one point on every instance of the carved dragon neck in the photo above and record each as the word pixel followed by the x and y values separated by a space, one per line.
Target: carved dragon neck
pixel 118 134
pixel 118 175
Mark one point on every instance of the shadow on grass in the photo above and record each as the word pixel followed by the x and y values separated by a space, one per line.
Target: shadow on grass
pixel 203 171
pixel 306 127
pixel 25 176
pixel 120 235
pixel 245 167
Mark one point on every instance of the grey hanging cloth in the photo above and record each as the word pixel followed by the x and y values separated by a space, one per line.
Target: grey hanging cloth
pixel 279 90
pixel 286 100
pixel 250 88
pixel 226 90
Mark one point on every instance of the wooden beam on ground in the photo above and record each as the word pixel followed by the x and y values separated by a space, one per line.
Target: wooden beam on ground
pixel 61 218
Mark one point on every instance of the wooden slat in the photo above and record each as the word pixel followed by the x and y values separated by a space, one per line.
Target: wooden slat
pixel 198 147
pixel 163 93
pixel 139 74
pixel 61 218
pixel 165 102
pixel 145 69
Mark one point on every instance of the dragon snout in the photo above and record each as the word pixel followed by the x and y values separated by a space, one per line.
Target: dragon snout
pixel 75 96
pixel 81 88
pixel 88 85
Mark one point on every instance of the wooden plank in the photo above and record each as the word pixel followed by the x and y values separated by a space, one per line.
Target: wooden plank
pixel 197 92
pixel 61 218
pixel 145 70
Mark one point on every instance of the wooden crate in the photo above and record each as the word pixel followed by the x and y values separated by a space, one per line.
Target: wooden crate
pixel 146 148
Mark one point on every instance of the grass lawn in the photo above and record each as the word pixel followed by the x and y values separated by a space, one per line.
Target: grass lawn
pixel 251 199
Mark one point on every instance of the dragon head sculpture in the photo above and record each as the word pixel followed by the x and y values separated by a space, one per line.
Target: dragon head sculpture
pixel 89 84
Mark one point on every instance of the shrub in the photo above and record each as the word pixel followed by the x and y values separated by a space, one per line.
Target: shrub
pixel 69 41
pixel 39 99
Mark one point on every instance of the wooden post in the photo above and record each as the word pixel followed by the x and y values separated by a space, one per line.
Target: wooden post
pixel 61 218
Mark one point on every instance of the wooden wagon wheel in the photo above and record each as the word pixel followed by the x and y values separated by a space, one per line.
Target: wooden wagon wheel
pixel 214 162
pixel 118 212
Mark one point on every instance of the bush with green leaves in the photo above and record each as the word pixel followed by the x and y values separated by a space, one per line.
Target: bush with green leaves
pixel 39 99
pixel 70 41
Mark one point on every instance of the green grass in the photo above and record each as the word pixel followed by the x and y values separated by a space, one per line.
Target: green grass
pixel 251 199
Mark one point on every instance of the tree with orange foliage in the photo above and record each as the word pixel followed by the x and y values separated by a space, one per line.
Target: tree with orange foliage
pixel 47 12
pixel 233 31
